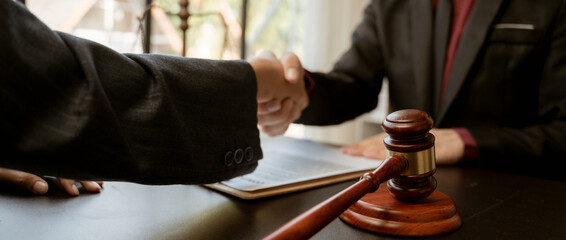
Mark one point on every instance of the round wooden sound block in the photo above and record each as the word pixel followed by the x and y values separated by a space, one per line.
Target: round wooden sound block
pixel 380 212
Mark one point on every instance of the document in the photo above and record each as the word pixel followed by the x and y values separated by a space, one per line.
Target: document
pixel 292 165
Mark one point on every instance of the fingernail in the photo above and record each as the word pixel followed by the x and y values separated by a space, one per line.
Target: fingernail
pixel 273 108
pixel 292 73
pixel 74 190
pixel 40 187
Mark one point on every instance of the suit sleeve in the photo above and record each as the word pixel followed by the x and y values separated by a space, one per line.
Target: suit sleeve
pixel 539 148
pixel 352 87
pixel 76 109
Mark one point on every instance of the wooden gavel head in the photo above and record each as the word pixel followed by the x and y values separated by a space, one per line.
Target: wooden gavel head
pixel 409 138
pixel 409 166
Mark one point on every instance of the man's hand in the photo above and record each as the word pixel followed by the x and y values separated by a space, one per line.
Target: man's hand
pixel 281 92
pixel 37 185
pixel 371 147
pixel 449 147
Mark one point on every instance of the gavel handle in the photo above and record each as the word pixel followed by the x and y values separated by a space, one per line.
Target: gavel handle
pixel 310 222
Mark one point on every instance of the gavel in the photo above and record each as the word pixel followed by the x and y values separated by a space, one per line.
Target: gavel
pixel 407 209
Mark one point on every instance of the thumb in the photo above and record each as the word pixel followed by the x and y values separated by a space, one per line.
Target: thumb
pixel 292 66
pixel 23 180
pixel 265 54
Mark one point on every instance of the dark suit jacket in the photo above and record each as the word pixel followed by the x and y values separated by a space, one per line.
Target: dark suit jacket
pixel 76 109
pixel 507 86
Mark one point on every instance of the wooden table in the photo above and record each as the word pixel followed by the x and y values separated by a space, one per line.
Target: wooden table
pixel 492 206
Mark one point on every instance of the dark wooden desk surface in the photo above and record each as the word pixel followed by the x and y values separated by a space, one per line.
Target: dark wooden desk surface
pixel 492 206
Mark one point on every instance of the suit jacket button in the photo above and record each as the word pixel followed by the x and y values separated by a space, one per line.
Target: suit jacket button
pixel 238 156
pixel 249 154
pixel 229 158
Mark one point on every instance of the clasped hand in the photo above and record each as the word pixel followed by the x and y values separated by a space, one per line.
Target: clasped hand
pixel 282 97
pixel 281 94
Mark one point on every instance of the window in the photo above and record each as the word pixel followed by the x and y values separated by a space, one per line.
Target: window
pixel 215 26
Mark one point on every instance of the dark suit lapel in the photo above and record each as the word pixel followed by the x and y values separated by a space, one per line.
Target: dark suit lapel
pixel 421 34
pixel 471 41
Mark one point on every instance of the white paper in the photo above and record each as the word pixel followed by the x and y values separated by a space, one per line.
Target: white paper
pixel 288 160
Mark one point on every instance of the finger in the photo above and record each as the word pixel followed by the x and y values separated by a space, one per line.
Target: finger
pixel 37 185
pixel 282 116
pixel 23 180
pixel 69 186
pixel 373 153
pixel 354 150
pixel 281 127
pixel 297 111
pixel 292 67
pixel 91 186
pixel 303 102
pixel 275 130
pixel 266 55
pixel 268 107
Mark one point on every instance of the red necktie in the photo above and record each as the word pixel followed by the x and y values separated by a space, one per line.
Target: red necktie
pixel 461 12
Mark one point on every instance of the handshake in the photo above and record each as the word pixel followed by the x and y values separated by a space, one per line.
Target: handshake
pixel 281 92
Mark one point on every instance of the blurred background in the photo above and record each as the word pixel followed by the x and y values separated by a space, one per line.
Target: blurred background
pixel 318 31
